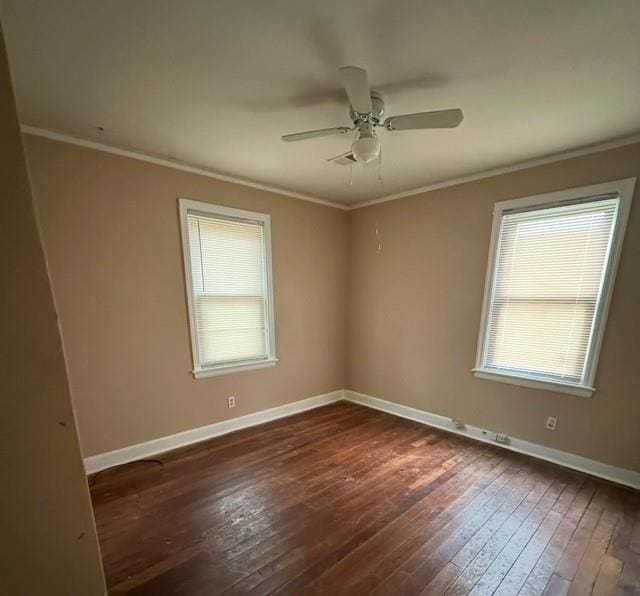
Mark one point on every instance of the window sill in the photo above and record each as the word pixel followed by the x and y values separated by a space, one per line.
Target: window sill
pixel 226 369
pixel 571 389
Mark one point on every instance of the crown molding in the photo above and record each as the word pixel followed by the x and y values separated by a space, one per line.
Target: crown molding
pixel 169 163
pixel 552 158
pixel 176 165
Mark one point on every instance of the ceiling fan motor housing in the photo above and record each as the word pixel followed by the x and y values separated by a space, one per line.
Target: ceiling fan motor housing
pixel 376 114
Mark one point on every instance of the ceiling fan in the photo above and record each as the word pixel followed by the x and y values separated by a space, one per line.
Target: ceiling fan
pixel 366 111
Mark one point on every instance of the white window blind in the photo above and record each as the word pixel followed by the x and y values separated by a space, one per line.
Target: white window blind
pixel 230 301
pixel 549 284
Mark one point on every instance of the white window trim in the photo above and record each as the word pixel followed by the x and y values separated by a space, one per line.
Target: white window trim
pixel 189 206
pixel 624 190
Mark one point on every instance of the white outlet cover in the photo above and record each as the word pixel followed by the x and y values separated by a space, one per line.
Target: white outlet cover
pixel 552 422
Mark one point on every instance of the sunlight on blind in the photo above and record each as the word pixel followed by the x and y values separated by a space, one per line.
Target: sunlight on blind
pixel 228 277
pixel 547 284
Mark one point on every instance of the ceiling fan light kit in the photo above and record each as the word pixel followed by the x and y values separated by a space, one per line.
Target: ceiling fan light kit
pixel 366 112
pixel 366 149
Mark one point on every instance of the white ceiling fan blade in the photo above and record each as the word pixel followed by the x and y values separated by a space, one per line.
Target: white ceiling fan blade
pixel 423 120
pixel 346 159
pixel 312 134
pixel 356 84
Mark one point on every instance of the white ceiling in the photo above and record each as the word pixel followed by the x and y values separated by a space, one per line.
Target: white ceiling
pixel 215 84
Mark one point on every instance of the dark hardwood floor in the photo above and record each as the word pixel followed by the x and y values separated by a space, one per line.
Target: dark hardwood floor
pixel 348 500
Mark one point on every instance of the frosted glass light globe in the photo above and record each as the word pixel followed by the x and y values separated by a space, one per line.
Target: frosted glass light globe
pixel 366 149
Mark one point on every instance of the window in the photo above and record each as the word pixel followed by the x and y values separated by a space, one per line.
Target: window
pixel 551 269
pixel 227 260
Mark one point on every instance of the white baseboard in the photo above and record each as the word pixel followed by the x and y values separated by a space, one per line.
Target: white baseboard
pixel 99 462
pixel 569 460
pixel 95 463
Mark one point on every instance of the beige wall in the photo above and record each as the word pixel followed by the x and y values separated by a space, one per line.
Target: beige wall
pixel 111 232
pixel 414 314
pixel 48 543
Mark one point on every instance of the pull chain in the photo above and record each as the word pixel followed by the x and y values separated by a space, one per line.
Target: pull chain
pixel 378 243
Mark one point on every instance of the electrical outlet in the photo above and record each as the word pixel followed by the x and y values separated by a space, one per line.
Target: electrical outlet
pixel 500 438
pixel 552 422
pixel 231 402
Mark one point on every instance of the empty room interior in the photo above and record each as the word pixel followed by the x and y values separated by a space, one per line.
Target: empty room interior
pixel 320 298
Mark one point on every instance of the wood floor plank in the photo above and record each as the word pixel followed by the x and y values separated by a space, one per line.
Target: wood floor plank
pixel 519 571
pixel 629 582
pixel 473 547
pixel 441 581
pixel 380 510
pixel 365 567
pixel 499 568
pixel 348 500
pixel 523 565
pixel 574 552
pixel 592 559
pixel 543 569
pixel 557 586
pixel 428 541
pixel 608 576
pixel 420 568
pixel 351 520
pixel 502 534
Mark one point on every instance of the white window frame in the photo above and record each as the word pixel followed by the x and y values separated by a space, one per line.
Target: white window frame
pixel 623 189
pixel 187 206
